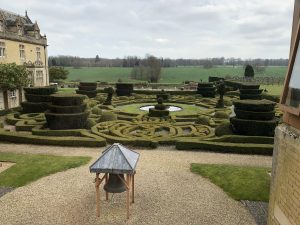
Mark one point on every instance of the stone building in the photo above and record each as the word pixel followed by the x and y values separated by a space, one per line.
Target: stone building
pixel 284 204
pixel 22 43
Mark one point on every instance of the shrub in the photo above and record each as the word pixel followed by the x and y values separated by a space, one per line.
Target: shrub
pixel 124 89
pixel 100 98
pixel 254 127
pixel 34 107
pixel 96 110
pixel 204 120
pixel 240 148
pixel 251 115
pixel 158 112
pixel 223 129
pixel 68 109
pixel 67 99
pixel 90 123
pixel 57 121
pixel 42 140
pixel 274 98
pixel 249 72
pixel 90 94
pixel 255 105
pixel 107 116
pixel 40 90
pixel 221 115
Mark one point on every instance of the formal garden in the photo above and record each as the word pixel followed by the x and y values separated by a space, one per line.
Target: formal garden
pixel 242 123
pixel 223 116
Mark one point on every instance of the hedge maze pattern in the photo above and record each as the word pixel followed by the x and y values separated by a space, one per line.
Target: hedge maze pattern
pixel 161 132
pixel 109 124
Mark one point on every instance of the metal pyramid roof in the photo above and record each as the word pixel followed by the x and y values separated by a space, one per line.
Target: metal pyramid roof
pixel 116 159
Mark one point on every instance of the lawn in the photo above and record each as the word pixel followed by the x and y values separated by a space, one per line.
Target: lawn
pixel 29 167
pixel 239 182
pixel 273 89
pixel 168 75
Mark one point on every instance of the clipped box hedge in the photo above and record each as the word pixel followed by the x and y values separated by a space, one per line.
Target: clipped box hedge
pixel 37 98
pixel 34 107
pixel 254 127
pixel 225 147
pixel 57 121
pixel 251 91
pixel 250 96
pixel 15 137
pixel 90 84
pixel 48 90
pixel 68 109
pixel 249 86
pixel 87 88
pixel 252 115
pixel 205 84
pixel 67 99
pixel 255 105
pixel 90 94
pixel 158 113
pixel 124 89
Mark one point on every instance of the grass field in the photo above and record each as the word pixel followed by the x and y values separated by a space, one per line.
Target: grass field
pixel 168 75
pixel 239 182
pixel 29 167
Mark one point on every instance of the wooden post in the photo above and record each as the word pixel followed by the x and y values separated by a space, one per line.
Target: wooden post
pixel 133 188
pixel 97 184
pixel 106 193
pixel 128 195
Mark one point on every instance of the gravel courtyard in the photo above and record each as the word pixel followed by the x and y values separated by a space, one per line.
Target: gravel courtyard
pixel 166 192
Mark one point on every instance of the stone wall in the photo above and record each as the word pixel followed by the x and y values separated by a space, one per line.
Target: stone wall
pixel 284 205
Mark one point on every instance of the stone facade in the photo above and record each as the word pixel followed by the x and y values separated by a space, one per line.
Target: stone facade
pixel 22 43
pixel 284 205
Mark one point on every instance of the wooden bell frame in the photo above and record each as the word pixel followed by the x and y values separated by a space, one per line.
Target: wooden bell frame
pixel 291 114
pixel 129 184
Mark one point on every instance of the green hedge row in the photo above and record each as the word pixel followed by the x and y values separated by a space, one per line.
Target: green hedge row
pixel 15 137
pixel 27 125
pixel 251 91
pixel 243 139
pixel 225 147
pixel 7 111
pixel 274 98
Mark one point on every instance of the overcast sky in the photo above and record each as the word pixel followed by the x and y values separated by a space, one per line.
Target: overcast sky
pixel 164 28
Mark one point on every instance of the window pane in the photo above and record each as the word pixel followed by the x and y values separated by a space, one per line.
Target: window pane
pixel 293 97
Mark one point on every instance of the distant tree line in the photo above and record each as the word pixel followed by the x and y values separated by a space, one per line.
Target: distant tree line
pixel 133 61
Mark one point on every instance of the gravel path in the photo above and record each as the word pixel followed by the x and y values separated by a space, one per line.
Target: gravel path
pixel 166 192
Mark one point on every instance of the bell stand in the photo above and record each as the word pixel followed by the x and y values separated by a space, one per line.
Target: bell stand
pixel 129 184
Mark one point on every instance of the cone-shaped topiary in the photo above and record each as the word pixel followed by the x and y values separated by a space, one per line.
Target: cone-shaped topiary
pixel 249 71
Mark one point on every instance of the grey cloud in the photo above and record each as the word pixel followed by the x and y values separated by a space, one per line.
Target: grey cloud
pixel 168 28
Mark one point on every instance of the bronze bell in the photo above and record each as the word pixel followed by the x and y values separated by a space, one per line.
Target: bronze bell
pixel 115 184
